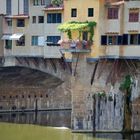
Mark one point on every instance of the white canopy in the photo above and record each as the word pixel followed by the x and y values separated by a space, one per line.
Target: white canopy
pixel 15 36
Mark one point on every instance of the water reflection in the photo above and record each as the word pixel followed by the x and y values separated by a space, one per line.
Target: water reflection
pixel 35 132
pixel 47 118
pixel 59 121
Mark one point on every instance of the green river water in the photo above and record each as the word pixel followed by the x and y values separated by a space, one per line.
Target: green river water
pixel 9 131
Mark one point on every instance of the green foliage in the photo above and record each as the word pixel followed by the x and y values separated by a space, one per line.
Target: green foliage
pixel 69 34
pixel 126 85
pixel 79 26
pixel 56 2
pixel 101 94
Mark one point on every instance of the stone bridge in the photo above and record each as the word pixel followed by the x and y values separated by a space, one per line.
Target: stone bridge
pixel 89 88
pixel 56 90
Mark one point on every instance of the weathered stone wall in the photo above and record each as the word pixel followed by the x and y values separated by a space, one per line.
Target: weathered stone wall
pixel 27 89
pixel 20 99
pixel 101 114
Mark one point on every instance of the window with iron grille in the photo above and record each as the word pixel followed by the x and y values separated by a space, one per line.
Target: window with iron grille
pixel 113 13
pixel 133 15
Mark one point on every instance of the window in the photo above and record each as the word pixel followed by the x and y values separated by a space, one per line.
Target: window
pixel 33 19
pixel 40 19
pixel 54 18
pixel 9 22
pixel 133 39
pixel 133 15
pixel 112 40
pixel 90 12
pixel 20 22
pixel 52 40
pixel 42 2
pixel 34 40
pixel 113 13
pixel 8 44
pixel 74 12
pixel 8 7
pixel 103 40
pixel 125 39
pixel 37 41
pixel 26 7
pixel 21 41
pixel 35 2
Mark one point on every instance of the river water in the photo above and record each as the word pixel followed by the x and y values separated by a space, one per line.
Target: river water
pixel 50 125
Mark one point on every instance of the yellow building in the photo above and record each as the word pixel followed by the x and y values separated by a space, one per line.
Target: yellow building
pixel 116 34
pixel 83 12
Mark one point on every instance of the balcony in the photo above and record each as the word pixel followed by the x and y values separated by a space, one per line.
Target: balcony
pixel 52 7
pixel 76 46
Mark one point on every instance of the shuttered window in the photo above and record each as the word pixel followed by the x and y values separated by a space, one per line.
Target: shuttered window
pixel 139 39
pixel 125 39
pixel 119 40
pixel 103 40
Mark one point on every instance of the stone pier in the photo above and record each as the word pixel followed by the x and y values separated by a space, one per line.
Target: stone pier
pixel 100 106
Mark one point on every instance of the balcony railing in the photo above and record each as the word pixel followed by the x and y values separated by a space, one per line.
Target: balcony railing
pixel 76 46
pixel 52 7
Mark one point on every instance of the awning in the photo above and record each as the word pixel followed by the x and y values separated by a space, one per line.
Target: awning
pixel 6 37
pixel 15 36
